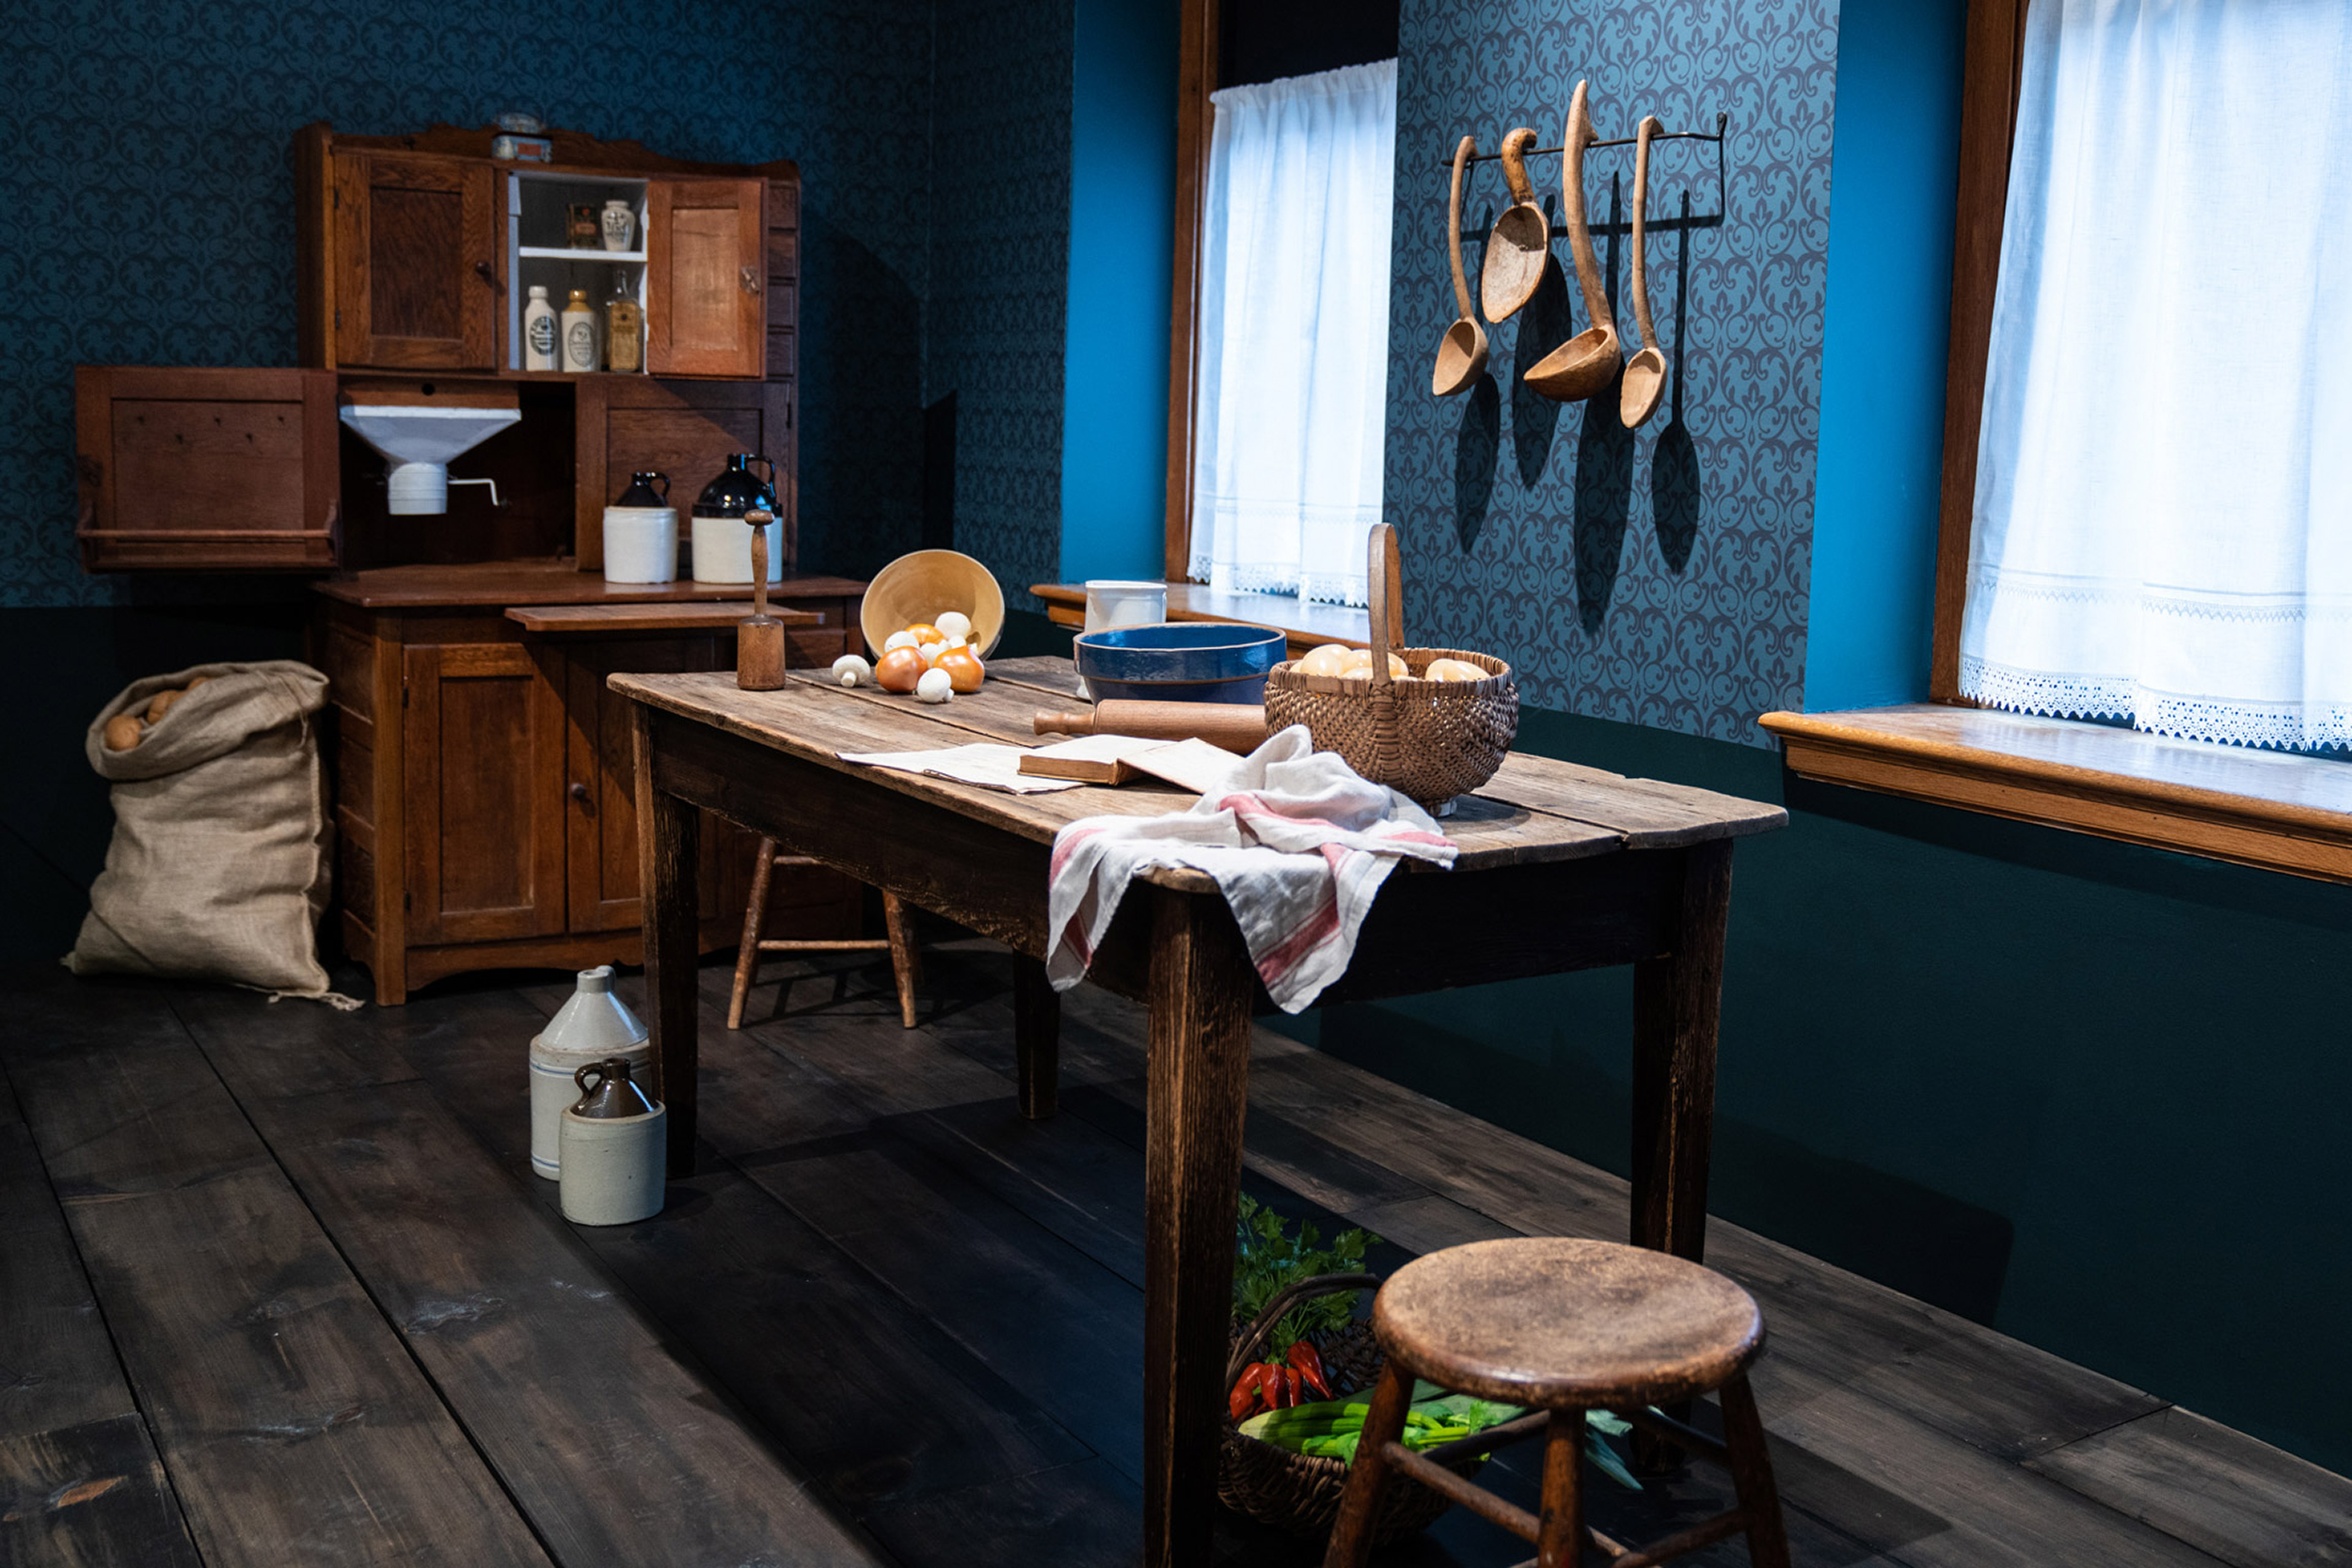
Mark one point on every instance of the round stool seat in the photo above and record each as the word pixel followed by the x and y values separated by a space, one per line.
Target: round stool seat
pixel 1555 1322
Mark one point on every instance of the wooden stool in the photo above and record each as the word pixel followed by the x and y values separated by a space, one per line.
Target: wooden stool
pixel 1565 1326
pixel 905 963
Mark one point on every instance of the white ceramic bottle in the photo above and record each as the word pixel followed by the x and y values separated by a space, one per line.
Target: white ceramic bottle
pixel 539 331
pixel 592 1025
pixel 579 334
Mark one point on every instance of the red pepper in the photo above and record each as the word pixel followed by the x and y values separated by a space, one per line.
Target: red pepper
pixel 1270 1384
pixel 1310 1364
pixel 1292 1373
pixel 1245 1395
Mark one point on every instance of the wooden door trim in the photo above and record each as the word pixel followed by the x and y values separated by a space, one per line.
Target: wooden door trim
pixel 1988 127
pixel 1196 79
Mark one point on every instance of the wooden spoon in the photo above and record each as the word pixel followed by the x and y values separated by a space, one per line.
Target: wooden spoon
pixel 1585 363
pixel 1521 241
pixel 1462 352
pixel 1645 373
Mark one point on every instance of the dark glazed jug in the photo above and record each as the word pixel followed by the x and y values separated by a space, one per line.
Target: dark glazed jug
pixel 738 490
pixel 641 490
pixel 606 1091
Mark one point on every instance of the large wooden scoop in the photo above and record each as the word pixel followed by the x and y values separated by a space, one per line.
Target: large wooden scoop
pixel 1587 362
pixel 1645 373
pixel 1462 352
pixel 1521 237
pixel 759 641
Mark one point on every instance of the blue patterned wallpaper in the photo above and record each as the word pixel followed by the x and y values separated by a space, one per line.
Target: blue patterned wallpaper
pixel 1656 576
pixel 154 215
pixel 999 269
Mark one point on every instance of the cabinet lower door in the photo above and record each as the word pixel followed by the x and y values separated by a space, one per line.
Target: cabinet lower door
pixel 482 765
pixel 600 788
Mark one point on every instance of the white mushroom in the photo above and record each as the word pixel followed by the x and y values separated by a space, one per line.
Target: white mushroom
pixel 850 670
pixel 936 685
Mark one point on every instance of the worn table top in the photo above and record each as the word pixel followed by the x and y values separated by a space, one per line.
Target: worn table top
pixel 1534 808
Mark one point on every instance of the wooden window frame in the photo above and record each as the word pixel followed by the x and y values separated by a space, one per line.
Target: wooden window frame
pixel 2263 809
pixel 1196 79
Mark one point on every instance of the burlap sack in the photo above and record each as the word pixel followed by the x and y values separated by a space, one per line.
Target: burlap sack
pixel 219 868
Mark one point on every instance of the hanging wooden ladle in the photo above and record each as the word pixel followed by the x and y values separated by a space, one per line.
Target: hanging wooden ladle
pixel 1521 238
pixel 1645 373
pixel 1587 362
pixel 1462 352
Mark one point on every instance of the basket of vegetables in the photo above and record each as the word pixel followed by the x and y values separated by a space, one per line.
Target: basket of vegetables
pixel 1300 1379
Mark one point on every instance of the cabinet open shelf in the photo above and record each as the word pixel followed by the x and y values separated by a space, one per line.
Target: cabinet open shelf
pixel 574 253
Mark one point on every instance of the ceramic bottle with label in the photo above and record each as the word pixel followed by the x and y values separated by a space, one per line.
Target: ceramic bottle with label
pixel 579 334
pixel 539 331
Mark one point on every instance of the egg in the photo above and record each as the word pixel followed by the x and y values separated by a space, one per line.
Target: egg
pixel 898 640
pixel 1359 663
pixel 1454 670
pixel 1328 659
pixel 963 668
pixel 162 705
pixel 899 669
pixel 850 670
pixel 936 685
pixel 954 626
pixel 123 731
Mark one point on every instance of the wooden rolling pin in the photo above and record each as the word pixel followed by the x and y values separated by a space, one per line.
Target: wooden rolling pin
pixel 1235 726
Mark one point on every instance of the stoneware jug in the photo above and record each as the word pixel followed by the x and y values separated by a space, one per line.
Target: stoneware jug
pixel 721 544
pixel 590 1026
pixel 641 533
pixel 615 1146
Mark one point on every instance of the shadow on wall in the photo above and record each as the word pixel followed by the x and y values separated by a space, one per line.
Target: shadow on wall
pixel 861 405
pixel 1606 451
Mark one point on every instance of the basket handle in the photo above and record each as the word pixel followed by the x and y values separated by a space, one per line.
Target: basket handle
pixel 1290 1296
pixel 1384 578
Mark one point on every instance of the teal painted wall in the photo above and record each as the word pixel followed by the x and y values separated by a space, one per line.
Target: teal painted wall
pixel 1877 476
pixel 1122 203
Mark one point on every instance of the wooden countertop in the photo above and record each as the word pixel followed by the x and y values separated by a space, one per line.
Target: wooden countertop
pixel 597 619
pixel 554 581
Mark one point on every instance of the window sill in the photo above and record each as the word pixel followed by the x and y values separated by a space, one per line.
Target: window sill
pixel 1304 624
pixel 2266 809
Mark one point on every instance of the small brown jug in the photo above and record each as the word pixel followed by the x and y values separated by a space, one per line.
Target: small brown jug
pixel 611 1093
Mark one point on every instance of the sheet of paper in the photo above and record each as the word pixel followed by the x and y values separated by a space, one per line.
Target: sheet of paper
pixel 984 763
pixel 1193 765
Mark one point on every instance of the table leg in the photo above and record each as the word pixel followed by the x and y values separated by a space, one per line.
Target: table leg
pixel 1677 1001
pixel 669 832
pixel 1036 1037
pixel 1202 985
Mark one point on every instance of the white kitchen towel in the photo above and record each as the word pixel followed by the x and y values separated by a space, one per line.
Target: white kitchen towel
pixel 1297 841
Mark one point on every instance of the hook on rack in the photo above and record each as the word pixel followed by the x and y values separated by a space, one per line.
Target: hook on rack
pixel 1716 135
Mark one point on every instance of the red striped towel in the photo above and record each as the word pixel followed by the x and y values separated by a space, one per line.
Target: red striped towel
pixel 1298 842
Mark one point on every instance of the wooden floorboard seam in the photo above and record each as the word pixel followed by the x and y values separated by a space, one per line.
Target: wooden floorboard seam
pixel 114 1344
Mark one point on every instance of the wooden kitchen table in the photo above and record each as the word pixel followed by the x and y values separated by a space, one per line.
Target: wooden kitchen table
pixel 1560 868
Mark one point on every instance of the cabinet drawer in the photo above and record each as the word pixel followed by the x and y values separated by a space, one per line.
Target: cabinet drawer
pixel 181 468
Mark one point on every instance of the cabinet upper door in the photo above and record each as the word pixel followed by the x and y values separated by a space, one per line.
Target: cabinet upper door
pixel 706 271
pixel 415 276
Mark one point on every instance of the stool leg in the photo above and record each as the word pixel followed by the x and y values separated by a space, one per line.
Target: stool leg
pixel 1751 1476
pixel 1036 1037
pixel 747 956
pixel 1359 1506
pixel 1561 1543
pixel 906 962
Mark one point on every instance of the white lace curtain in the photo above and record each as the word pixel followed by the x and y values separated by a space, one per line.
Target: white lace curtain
pixel 2163 526
pixel 1294 333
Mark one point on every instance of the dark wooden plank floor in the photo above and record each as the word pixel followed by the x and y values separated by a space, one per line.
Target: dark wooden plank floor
pixel 277 1286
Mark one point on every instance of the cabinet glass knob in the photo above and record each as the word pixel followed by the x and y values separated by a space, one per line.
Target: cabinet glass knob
pixel 580 792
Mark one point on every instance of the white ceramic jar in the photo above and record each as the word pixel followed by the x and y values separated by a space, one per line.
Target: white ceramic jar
pixel 641 543
pixel 722 550
pixel 590 1026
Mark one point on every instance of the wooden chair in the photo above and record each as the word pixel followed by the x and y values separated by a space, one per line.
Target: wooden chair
pixel 1564 1327
pixel 905 963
